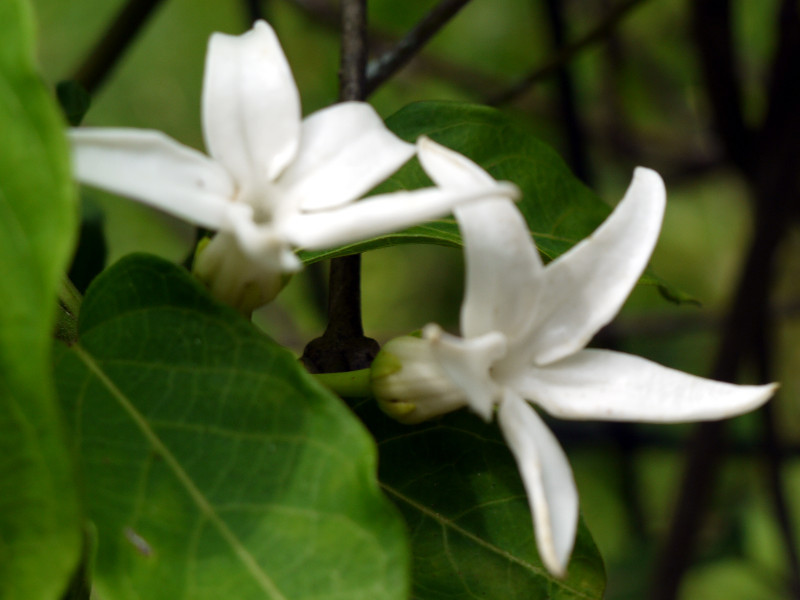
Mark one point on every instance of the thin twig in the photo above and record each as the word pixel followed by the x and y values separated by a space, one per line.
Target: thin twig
pixel 597 34
pixel 380 69
pixel 117 38
pixel 464 77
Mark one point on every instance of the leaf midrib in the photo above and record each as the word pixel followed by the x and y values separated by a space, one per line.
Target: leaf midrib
pixel 250 563
pixel 448 523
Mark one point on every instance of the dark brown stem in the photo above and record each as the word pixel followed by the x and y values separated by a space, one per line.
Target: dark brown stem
pixel 578 157
pixel 254 9
pixel 711 23
pixel 343 346
pixel 597 34
pixel 777 143
pixel 353 69
pixel 108 50
pixel 391 61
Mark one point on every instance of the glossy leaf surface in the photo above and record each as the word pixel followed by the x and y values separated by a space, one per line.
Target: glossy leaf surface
pixel 214 466
pixel 458 487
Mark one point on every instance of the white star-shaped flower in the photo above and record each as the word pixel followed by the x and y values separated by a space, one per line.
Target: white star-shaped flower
pixel 273 182
pixel 525 327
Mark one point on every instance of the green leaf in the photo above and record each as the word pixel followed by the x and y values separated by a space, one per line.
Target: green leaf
pixel 40 534
pixel 215 466
pixel 459 489
pixel 559 209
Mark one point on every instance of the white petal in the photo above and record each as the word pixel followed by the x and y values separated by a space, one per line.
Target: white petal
pixel 548 480
pixel 467 362
pixel 375 216
pixel 503 281
pixel 155 169
pixel 345 150
pixel 600 384
pixel 251 107
pixel 503 266
pixel 450 169
pixel 586 287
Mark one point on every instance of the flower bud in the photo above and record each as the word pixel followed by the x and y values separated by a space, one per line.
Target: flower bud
pixel 409 384
pixel 235 278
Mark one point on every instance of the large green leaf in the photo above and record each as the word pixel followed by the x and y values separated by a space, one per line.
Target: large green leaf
pixel 214 465
pixel 559 209
pixel 39 517
pixel 459 489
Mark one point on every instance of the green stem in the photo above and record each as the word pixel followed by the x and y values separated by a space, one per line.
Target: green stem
pixel 347 384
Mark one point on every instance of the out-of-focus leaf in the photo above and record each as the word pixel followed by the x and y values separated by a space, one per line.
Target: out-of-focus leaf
pixel 40 533
pixel 460 491
pixel 214 466
pixel 559 209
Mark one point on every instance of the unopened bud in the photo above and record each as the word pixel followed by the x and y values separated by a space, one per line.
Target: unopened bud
pixel 233 277
pixel 409 384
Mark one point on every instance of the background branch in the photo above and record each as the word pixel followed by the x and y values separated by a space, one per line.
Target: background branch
pixel 394 59
pixel 712 30
pixel 115 41
pixel 466 78
pixel 574 132
pixel 771 170
pixel 597 34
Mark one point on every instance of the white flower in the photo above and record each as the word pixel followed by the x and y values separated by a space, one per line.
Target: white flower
pixel 273 182
pixel 525 327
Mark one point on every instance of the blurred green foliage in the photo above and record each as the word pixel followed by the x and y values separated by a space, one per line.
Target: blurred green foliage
pixel 640 100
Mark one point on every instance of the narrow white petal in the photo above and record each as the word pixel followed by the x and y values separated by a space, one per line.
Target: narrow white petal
pixel 601 384
pixel 503 278
pixel 251 107
pixel 468 362
pixel 548 480
pixel 503 281
pixel 450 169
pixel 586 287
pixel 375 216
pixel 345 150
pixel 152 168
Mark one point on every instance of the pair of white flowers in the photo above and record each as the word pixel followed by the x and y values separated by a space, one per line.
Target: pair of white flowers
pixel 274 183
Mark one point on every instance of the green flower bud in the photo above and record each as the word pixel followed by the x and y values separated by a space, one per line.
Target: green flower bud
pixel 409 384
